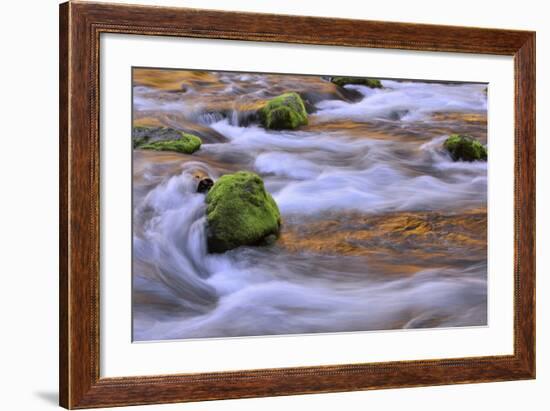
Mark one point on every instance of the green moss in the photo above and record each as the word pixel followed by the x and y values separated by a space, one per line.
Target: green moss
pixel 465 148
pixel 369 82
pixel 165 139
pixel 144 135
pixel 187 144
pixel 240 212
pixel 286 111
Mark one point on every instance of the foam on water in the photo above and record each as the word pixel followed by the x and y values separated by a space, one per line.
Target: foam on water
pixel 378 189
pixel 406 101
pixel 350 174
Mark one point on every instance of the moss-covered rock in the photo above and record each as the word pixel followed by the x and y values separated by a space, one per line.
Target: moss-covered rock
pixel 143 135
pixel 187 144
pixel 465 148
pixel 361 81
pixel 165 139
pixel 240 212
pixel 284 112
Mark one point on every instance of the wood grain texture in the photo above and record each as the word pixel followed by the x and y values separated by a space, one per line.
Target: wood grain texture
pixel 525 203
pixel 80 27
pixel 63 204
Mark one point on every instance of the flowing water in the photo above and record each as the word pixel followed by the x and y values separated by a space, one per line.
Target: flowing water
pixel 369 160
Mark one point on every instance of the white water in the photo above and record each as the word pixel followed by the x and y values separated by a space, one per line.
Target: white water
pixel 181 291
pixel 254 291
pixel 349 174
pixel 407 101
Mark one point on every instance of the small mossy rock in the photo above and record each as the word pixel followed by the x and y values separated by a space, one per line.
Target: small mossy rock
pixel 144 135
pixel 165 139
pixel 187 144
pixel 361 81
pixel 284 112
pixel 240 212
pixel 465 148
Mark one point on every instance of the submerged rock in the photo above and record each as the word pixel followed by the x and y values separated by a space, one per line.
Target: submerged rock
pixel 165 139
pixel 361 81
pixel 402 241
pixel 240 212
pixel 465 148
pixel 286 111
pixel 205 185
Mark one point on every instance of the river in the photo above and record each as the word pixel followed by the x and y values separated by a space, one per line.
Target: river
pixel 381 229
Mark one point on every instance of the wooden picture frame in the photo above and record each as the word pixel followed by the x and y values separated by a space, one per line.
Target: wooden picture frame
pixel 80 27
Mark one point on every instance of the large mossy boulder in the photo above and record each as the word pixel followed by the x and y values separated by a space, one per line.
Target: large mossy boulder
pixel 284 112
pixel 165 139
pixel 240 212
pixel 465 148
pixel 361 81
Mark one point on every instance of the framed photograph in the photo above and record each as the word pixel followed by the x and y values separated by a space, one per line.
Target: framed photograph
pixel 259 205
